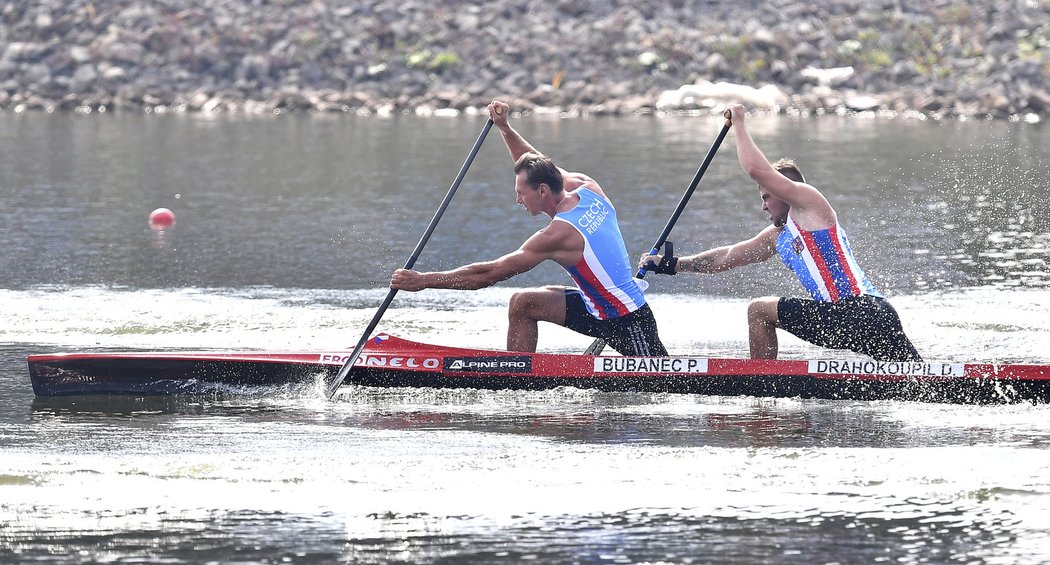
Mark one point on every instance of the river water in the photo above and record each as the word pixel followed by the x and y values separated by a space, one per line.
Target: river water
pixel 287 230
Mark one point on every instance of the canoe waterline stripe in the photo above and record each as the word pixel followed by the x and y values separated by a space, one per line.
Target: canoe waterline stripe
pixel 541 365
pixel 407 363
pixel 959 391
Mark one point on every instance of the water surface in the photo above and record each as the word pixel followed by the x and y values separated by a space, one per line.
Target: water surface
pixel 288 228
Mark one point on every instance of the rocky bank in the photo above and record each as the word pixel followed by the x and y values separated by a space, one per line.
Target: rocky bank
pixel 937 57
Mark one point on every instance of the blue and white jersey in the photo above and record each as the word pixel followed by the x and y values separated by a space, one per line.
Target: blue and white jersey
pixel 604 275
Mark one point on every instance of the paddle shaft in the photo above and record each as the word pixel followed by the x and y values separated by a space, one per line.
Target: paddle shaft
pixel 688 193
pixel 349 364
pixel 599 344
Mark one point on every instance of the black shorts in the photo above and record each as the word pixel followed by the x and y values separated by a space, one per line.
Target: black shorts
pixel 864 324
pixel 633 334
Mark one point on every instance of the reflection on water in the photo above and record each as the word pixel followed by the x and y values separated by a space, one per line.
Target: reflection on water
pixel 555 476
pixel 339 203
pixel 911 531
pixel 937 533
pixel 158 536
pixel 573 416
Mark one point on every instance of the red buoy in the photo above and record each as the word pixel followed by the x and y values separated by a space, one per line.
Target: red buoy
pixel 161 219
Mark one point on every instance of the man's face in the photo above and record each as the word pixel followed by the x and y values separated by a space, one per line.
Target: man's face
pixel 527 196
pixel 776 208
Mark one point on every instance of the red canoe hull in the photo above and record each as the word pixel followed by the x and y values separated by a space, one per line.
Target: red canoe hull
pixel 391 361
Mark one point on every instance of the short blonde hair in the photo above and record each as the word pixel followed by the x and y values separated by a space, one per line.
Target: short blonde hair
pixel 789 169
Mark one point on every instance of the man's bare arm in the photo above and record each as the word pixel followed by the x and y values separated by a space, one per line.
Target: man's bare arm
pixel 798 195
pixel 467 277
pixel 754 250
pixel 544 244
pixel 516 144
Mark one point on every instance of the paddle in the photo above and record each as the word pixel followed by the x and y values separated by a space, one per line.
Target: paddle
pixel 599 344
pixel 349 364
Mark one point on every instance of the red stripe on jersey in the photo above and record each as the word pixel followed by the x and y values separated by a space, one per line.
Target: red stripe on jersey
pixel 593 282
pixel 853 285
pixel 822 266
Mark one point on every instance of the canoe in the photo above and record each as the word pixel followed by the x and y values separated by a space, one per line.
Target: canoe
pixel 389 361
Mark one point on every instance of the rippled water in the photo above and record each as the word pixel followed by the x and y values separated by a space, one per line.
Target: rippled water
pixel 287 229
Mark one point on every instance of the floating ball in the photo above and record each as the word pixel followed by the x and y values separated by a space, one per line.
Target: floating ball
pixel 161 219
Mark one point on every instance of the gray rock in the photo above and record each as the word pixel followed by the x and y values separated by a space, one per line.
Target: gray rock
pixel 862 103
pixel 8 69
pixel 22 51
pixel 113 74
pixel 36 74
pixel 43 21
pixel 121 52
pixel 84 76
pixel 80 54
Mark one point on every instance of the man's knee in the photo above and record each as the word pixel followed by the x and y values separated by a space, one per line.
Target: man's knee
pixel 763 311
pixel 541 304
pixel 522 302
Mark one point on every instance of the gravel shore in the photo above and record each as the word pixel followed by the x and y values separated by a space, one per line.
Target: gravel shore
pixel 933 57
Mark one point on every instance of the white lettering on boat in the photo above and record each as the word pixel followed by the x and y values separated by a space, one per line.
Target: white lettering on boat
pixel 393 361
pixel 650 365
pixel 901 368
pixel 490 364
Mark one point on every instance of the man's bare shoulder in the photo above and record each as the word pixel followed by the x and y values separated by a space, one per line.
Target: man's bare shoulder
pixel 811 208
pixel 556 234
pixel 768 236
pixel 770 232
pixel 572 181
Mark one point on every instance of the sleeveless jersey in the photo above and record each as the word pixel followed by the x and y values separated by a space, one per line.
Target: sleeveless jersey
pixel 823 262
pixel 604 274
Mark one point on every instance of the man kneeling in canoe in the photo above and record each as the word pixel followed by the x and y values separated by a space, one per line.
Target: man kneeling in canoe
pixel 583 237
pixel 846 312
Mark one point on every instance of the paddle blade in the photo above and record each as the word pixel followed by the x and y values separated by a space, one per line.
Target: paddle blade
pixel 333 386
